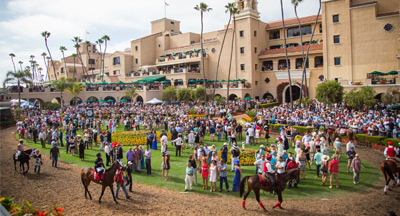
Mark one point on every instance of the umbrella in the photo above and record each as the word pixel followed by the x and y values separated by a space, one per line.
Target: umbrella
pixel 88 100
pixel 174 54
pixel 47 84
pixel 195 50
pixel 101 101
pixel 393 73
pixel 210 81
pixel 2 92
pixel 139 70
pixel 248 98
pixel 132 71
pixel 223 80
pixel 124 100
pixel 192 81
pixel 394 106
pixel 154 101
pixel 114 144
pixel 120 82
pixel 378 73
pixel 166 81
pixel 103 83
pixel 162 56
pixel 110 100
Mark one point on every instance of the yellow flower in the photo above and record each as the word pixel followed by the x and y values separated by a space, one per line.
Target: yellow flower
pixel 2 199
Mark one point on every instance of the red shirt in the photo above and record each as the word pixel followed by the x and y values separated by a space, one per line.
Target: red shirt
pixel 291 165
pixel 120 176
pixel 334 166
pixel 390 151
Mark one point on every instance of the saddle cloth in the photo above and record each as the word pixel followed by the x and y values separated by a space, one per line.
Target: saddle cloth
pixel 394 161
pixel 96 176
pixel 262 179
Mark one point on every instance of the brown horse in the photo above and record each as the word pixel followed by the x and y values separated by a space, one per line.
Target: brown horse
pixel 390 170
pixel 253 183
pixel 23 158
pixel 339 132
pixel 108 181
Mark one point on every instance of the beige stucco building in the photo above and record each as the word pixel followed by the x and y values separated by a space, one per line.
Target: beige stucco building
pixel 352 38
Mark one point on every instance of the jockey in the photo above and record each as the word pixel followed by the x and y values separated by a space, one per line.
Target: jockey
pixel 269 172
pixel 391 152
pixel 20 148
pixel 99 165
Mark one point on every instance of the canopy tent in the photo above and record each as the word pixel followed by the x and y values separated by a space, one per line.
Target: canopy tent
pixel 124 100
pixel 16 101
pixel 378 73
pixel 394 106
pixel 88 101
pixel 393 73
pixel 154 101
pixel 151 79
pixel 2 92
pixel 110 100
pixel 248 98
pixel 120 82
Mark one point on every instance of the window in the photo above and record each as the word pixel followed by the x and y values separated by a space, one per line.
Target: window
pixel 274 34
pixel 116 61
pixel 275 47
pixel 172 23
pixel 91 61
pixel 319 61
pixel 335 18
pixel 117 72
pixel 242 67
pixel 255 33
pixel 337 60
pixel 241 50
pixel 136 48
pixel 293 32
pixel 256 82
pixel 267 66
pixel 255 50
pixel 241 33
pixel 62 70
pixel 282 64
pixel 336 39
pixel 320 28
pixel 256 67
pixel 136 61
pixel 299 63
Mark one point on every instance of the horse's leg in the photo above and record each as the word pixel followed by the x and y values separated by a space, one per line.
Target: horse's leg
pixel 386 185
pixel 112 191
pixel 279 200
pixel 245 195
pixel 23 169
pixel 257 192
pixel 27 163
pixel 102 192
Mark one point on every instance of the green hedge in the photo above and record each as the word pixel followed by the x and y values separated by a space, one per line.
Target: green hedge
pixel 266 105
pixel 51 106
pixel 300 129
pixel 5 124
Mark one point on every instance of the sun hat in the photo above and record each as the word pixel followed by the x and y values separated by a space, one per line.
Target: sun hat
pixel 269 156
pixel 236 162
pixel 262 146
pixel 21 140
pixel 225 144
pixel 211 148
pixel 129 162
pixel 325 158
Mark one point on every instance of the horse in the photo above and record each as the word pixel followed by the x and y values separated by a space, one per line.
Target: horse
pixel 108 181
pixel 389 170
pixel 253 183
pixel 338 132
pixel 23 158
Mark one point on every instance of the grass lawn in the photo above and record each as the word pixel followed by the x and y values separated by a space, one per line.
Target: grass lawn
pixel 311 187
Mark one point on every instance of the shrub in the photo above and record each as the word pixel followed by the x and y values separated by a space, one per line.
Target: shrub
pixel 394 141
pixel 300 129
pixel 51 106
pixel 247 157
pixel 5 124
pixel 267 105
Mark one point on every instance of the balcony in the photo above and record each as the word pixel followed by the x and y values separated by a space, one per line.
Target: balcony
pixel 179 60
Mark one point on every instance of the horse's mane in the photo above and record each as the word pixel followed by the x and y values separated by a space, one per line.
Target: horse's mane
pixel 29 151
pixel 111 166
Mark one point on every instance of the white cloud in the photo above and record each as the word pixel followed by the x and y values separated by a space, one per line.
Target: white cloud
pixel 22 22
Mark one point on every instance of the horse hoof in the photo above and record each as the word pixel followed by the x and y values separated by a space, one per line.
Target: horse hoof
pixel 244 208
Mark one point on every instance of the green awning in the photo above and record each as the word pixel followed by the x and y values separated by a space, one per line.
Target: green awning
pixel 120 82
pixel 86 83
pixel 124 100
pixel 132 71
pixel 248 98
pixel 162 56
pixel 192 81
pixel 47 84
pixel 139 70
pixel 2 92
pixel 103 83
pixel 166 81
pixel 89 101
pixel 195 50
pixel 210 81
pixel 223 80
pixel 393 73
pixel 174 54
pixel 378 73
pixel 101 101
pixel 151 79
pixel 110 100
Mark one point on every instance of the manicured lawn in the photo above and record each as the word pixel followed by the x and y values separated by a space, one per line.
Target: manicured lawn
pixel 311 187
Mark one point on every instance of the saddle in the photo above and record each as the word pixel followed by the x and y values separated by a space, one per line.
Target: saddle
pixel 263 179
pixel 394 161
pixel 96 176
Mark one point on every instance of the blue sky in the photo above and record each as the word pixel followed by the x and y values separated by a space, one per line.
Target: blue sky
pixel 22 21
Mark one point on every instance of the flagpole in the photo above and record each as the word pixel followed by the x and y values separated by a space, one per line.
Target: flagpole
pixel 165 9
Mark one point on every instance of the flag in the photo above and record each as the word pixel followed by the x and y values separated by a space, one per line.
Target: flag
pixel 166 4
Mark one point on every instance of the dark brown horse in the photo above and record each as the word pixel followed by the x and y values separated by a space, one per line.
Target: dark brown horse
pixel 390 170
pixel 108 181
pixel 253 183
pixel 340 132
pixel 23 158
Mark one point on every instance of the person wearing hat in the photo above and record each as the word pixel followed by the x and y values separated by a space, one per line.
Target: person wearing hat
pixel 119 179
pixel 391 152
pixel 99 166
pixel 291 165
pixel 235 154
pixel 20 148
pixel 324 168
pixel 178 144
pixel 356 167
pixel 350 156
pixel 128 176
pixel 270 172
pixel 54 154
pixel 334 170
pixel 224 152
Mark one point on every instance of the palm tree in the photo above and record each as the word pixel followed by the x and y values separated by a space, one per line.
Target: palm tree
pixel 75 89
pixel 61 85
pixel 22 76
pixel 74 56
pixel 100 42
pixel 32 66
pixel 105 38
pixel 40 72
pixel 45 64
pixel 87 50
pixel 78 40
pixel 47 60
pixel 203 7
pixel 20 64
pixel 131 92
pixel 46 35
pixel 286 55
pixel 233 11
pixel 63 49
pixel 228 6
pixel 12 55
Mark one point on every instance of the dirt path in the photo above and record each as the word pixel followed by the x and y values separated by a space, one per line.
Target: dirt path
pixel 63 187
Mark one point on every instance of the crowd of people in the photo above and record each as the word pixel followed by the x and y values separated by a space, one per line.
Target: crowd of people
pixel 60 127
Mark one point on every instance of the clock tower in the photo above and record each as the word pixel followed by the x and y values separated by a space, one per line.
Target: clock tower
pixel 247 8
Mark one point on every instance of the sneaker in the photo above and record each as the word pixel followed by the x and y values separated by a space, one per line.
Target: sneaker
pixel 128 197
pixel 186 190
pixel 330 187
pixel 220 191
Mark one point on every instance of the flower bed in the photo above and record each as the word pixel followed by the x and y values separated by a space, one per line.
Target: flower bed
pixel 27 209
pixel 196 115
pixel 247 157
pixel 131 138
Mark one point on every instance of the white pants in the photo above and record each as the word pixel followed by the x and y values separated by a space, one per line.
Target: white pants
pixel 233 159
pixel 101 146
pixel 114 129
pixel 188 181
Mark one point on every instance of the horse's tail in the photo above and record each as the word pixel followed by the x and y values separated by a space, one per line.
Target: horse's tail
pixel 388 171
pixel 241 185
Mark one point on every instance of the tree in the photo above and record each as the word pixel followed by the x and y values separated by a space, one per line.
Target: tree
pixel 197 94
pixel 286 55
pixel 12 55
pixel 169 94
pixel 105 38
pixel 78 40
pixel 61 85
pixel 21 76
pixel 63 49
pixel 45 64
pixel 203 7
pixel 74 56
pixel 131 92
pixel 20 64
pixel 330 92
pixel 228 6
pixel 357 99
pixel 75 89
pixel 46 35
pixel 100 42
pixel 392 96
pixel 184 94
pixel 232 11
pixel 220 100
pixel 90 62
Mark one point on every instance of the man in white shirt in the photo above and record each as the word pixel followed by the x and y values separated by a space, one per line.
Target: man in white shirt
pixel 164 143
pixel 280 166
pixel 107 150
pixel 260 164
pixel 250 133
pixel 350 145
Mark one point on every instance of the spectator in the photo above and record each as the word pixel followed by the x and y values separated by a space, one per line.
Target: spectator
pixel 213 176
pixel 128 176
pixel 302 164
pixel 137 158
pixel 194 165
pixel 165 165
pixel 223 177
pixel 349 145
pixel 334 171
pixel 350 156
pixel 107 150
pixel 147 155
pixel 235 154
pixel 260 164
pixel 129 155
pixel 38 161
pixel 237 176
pixel 189 176
pixel 291 165
pixel 224 152
pixel 120 152
pixel 204 173
pixel 324 168
pixel 280 166
pixel 119 179
pixel 54 154
pixel 317 158
pixel 356 166
pixel 178 144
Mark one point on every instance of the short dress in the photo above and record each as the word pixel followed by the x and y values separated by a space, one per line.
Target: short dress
pixel 257 134
pixel 302 162
pixel 204 171
pixel 213 174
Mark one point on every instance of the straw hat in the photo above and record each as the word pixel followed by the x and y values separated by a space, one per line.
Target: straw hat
pixel 325 158
pixel 211 148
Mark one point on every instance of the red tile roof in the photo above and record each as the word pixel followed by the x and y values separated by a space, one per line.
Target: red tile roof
pixel 293 21
pixel 114 79
pixel 291 49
